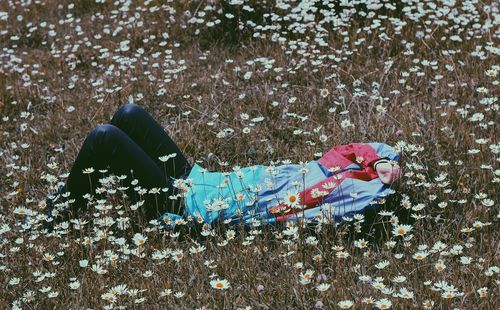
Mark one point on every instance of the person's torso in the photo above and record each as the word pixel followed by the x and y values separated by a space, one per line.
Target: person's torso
pixel 250 192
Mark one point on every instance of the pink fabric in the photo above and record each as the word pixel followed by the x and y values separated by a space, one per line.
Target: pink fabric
pixel 339 156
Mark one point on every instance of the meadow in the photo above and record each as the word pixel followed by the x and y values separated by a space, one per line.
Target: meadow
pixel 240 83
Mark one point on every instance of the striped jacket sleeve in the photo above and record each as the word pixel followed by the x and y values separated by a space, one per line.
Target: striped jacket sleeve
pixel 365 155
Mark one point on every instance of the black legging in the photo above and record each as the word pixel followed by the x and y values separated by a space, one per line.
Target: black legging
pixel 132 140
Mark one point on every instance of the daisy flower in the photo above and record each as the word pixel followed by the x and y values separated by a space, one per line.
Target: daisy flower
pixel 420 255
pixel 491 73
pixel 139 239
pixel 292 198
pixel 449 294
pixel 401 230
pixel 345 304
pixel 307 275
pixel 179 294
pixel 383 303
pixel 483 292
pixel 220 284
pixel 405 293
pixel 361 243
pixel 342 254
pixel 88 170
pixel 428 304
pixel 440 266
pixel 323 287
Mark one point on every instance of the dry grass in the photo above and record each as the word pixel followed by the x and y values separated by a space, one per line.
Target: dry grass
pixel 204 94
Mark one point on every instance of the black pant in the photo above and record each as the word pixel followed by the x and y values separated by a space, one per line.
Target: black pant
pixel 130 145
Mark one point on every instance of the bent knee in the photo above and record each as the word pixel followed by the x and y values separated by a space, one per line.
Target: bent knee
pixel 104 130
pixel 128 110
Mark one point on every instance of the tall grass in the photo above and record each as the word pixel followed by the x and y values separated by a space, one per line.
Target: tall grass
pixel 430 86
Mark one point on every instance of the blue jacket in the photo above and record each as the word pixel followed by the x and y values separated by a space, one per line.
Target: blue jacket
pixel 342 182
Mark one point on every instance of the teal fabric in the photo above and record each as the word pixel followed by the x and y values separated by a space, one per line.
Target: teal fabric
pixel 261 187
pixel 231 194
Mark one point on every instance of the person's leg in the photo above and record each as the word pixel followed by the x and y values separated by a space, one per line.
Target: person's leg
pixel 141 127
pixel 108 147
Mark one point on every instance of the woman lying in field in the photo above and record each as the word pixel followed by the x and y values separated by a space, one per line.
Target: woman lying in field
pixel 344 181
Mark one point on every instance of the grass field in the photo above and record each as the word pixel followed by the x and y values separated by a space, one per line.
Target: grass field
pixel 239 83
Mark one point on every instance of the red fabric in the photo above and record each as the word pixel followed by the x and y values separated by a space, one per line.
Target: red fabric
pixel 344 155
pixel 341 156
